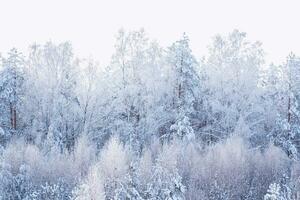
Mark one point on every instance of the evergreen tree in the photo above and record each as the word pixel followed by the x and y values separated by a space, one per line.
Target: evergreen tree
pixel 12 78
pixel 185 82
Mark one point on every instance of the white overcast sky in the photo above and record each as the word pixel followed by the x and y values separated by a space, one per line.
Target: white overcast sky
pixel 91 25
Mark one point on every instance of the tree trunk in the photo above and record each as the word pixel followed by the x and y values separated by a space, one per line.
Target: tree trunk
pixel 13 116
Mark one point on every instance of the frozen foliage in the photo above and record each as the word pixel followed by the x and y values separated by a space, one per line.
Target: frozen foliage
pixel 156 123
pixel 183 129
pixel 228 170
pixel 275 192
pixel 91 188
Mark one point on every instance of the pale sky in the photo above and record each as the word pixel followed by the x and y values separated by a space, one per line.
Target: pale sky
pixel 91 25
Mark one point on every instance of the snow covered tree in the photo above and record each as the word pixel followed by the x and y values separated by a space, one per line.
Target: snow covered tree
pixel 183 130
pixel 293 115
pixel 17 187
pixel 233 75
pixel 113 166
pixel 184 66
pixel 129 188
pixel 55 111
pixel 166 183
pixel 92 189
pixel 53 191
pixel 185 84
pixel 275 192
pixel 12 77
pixel 134 94
pixel 283 89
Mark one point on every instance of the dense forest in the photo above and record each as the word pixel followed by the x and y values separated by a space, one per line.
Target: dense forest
pixel 156 123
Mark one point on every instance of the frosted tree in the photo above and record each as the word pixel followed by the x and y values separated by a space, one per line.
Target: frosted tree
pixel 89 93
pixel 12 78
pixel 52 191
pixel 184 66
pixel 126 63
pixel 55 111
pixel 233 74
pixel 293 114
pixel 182 129
pixel 166 183
pixel 113 166
pixel 275 192
pixel 95 96
pixel 17 186
pixel 282 87
pixel 136 71
pixel 185 84
pixel 91 188
pixel 129 188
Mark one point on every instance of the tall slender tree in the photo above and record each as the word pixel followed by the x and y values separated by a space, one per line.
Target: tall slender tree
pixel 11 86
